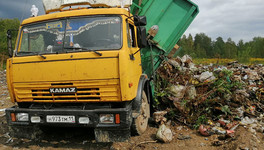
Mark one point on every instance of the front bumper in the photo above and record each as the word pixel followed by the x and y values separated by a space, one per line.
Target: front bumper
pixel 94 114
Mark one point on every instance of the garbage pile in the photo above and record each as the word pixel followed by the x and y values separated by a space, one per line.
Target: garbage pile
pixel 3 89
pixel 2 77
pixel 211 98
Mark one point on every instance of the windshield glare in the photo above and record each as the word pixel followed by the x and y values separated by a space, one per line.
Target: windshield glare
pixel 93 33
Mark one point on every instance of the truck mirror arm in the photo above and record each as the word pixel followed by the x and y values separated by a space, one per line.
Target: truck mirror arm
pixel 132 55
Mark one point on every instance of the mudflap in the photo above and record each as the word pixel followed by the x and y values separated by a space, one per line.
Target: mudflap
pixel 107 135
pixel 28 132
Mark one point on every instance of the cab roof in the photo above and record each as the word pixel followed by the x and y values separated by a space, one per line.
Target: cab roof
pixel 74 13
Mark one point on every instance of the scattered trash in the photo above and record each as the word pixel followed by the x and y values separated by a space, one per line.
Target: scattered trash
pixel 248 121
pixel 183 137
pixel 219 130
pixel 206 77
pixel 205 130
pixel 191 92
pixel 159 116
pixel 179 128
pixel 217 143
pixel 84 142
pixel 164 134
pixel 145 142
pixel 2 112
pixel 44 141
pixel 253 131
pixel 6 135
pixel 202 144
pixel 177 91
pixel 175 64
pixel 10 139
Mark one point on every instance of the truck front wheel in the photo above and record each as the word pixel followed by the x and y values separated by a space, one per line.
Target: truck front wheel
pixel 140 124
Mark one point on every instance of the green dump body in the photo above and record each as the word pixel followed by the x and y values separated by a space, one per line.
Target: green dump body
pixel 173 17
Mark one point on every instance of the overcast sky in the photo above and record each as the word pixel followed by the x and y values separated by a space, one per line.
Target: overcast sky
pixel 238 19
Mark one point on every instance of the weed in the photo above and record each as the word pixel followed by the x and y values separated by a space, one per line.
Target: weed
pixel 225 109
pixel 201 120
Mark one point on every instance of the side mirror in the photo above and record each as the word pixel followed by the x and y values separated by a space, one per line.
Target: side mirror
pixel 140 20
pixel 9 43
pixel 141 37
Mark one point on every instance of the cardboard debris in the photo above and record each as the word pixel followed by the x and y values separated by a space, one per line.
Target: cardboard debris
pixel 159 117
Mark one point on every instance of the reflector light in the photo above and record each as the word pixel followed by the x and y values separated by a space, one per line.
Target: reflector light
pixel 117 119
pixel 13 117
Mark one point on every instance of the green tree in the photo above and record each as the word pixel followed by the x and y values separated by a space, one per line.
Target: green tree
pixel 231 49
pixel 6 24
pixel 187 45
pixel 203 43
pixel 218 47
pixel 244 51
pixel 190 44
pixel 258 47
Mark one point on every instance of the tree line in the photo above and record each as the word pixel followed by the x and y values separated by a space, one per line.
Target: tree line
pixel 202 46
pixel 6 24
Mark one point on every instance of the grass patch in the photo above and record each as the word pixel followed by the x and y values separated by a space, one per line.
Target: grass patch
pixel 224 61
pixel 206 61
pixel 256 60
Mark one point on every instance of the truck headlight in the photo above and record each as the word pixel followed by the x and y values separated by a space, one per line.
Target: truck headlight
pixel 22 116
pixel 84 120
pixel 106 118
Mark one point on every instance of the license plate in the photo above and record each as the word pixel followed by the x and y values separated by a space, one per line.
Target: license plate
pixel 61 119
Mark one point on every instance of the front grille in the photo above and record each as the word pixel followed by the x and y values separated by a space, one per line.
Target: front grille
pixel 82 94
pixel 106 90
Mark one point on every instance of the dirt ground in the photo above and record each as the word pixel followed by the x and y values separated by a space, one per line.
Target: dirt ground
pixel 83 138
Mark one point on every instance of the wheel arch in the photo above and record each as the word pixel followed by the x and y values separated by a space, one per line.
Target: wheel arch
pixel 143 85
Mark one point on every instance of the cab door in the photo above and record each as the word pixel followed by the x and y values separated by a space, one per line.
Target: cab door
pixel 130 63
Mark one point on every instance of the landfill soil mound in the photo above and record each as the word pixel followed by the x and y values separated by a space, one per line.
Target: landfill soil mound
pixel 245 135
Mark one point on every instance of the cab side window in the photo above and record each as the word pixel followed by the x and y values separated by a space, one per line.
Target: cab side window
pixel 131 36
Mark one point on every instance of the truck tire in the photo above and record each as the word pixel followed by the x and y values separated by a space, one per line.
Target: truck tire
pixel 105 136
pixel 140 124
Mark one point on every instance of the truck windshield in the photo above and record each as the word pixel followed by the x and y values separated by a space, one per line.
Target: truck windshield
pixel 60 36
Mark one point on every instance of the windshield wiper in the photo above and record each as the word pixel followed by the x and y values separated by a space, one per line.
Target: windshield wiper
pixel 83 48
pixel 33 53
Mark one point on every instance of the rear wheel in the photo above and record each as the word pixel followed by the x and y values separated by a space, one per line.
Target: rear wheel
pixel 140 124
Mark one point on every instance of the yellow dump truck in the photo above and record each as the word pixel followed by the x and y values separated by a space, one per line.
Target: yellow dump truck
pixel 82 66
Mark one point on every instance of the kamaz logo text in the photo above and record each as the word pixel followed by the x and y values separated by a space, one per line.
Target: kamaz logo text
pixel 63 90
